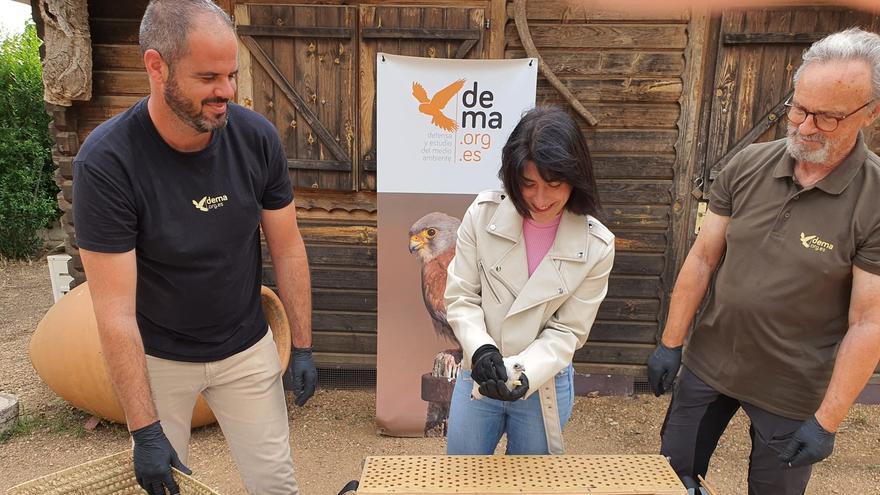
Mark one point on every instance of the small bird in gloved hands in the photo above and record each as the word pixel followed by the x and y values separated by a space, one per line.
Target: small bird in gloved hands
pixel 515 379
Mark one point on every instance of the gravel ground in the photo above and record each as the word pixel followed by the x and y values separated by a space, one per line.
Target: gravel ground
pixel 336 430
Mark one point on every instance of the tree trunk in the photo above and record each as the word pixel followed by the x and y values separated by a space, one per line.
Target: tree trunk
pixel 67 66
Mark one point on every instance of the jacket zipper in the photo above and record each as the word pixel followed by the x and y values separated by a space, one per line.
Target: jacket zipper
pixel 491 289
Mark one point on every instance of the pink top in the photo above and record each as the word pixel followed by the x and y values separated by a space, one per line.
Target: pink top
pixel 539 237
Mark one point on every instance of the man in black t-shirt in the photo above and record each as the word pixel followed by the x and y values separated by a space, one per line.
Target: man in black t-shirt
pixel 170 199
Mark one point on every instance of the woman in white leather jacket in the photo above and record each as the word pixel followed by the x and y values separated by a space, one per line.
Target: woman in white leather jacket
pixel 530 270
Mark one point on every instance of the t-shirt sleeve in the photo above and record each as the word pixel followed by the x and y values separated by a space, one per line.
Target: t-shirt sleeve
pixel 104 216
pixel 720 199
pixel 868 253
pixel 278 192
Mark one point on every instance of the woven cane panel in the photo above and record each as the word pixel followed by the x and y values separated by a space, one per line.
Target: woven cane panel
pixel 109 475
pixel 508 475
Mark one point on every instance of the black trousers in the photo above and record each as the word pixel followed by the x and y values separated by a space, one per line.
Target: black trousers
pixel 698 415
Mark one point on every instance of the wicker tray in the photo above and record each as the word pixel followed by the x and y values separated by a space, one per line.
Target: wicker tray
pixel 109 475
pixel 509 475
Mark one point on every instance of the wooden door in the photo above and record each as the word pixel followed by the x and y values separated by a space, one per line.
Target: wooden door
pixel 758 52
pixel 441 32
pixel 296 69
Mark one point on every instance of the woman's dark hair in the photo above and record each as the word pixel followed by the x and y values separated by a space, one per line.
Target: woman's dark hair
pixel 550 138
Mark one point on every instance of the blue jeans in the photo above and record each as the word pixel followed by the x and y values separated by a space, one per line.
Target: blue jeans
pixel 476 426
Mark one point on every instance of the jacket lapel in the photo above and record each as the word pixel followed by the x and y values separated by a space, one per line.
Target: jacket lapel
pixel 547 283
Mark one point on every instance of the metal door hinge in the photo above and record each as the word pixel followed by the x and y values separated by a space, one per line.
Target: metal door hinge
pixel 702 207
pixel 487 23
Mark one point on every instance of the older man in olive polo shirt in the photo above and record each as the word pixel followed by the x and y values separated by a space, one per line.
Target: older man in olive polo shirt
pixel 790 330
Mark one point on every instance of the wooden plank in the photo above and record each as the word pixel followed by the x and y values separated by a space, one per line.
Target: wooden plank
pixel 304 137
pixel 632 165
pixel 348 300
pixel 632 370
pixel 344 278
pixel 338 234
pixel 497 18
pixel 632 332
pixel 287 122
pixel 635 191
pixel 773 72
pixel 723 110
pixel 628 309
pixel 636 264
pixel 120 83
pixel 338 360
pixel 334 200
pixel 296 31
pixel 772 38
pixel 616 353
pixel 114 31
pixel 631 141
pixel 747 78
pixel 640 241
pixel 630 115
pixel 359 343
pixel 683 204
pixel 300 166
pixel 410 33
pixel 348 103
pixel 117 57
pixel 611 36
pixel 131 9
pixel 637 216
pixel 341 255
pixel 265 93
pixel 623 286
pixel 581 11
pixel 244 94
pixel 580 62
pixel 616 89
pixel 341 321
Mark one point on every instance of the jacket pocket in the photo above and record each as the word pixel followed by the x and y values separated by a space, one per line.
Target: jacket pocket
pixel 487 284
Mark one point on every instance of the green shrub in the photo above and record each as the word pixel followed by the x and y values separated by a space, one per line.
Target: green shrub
pixel 27 188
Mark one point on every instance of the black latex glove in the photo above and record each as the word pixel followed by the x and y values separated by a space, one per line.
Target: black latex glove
pixel 487 364
pixel 662 367
pixel 305 377
pixel 153 459
pixel 811 443
pixel 497 389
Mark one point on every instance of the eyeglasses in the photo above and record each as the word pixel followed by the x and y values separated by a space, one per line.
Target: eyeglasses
pixel 824 122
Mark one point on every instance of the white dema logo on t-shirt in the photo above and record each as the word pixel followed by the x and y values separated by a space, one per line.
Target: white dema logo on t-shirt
pixel 208 203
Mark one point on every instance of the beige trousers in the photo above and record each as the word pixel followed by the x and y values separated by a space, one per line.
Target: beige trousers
pixel 246 395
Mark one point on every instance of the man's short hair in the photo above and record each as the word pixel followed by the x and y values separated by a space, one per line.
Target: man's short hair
pixel 851 44
pixel 551 139
pixel 166 25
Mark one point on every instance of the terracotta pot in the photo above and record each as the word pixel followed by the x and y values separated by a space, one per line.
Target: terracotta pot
pixel 66 353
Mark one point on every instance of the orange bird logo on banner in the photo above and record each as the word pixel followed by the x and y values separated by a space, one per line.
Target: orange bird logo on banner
pixel 434 106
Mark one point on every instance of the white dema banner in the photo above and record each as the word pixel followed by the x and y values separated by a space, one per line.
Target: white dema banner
pixel 441 123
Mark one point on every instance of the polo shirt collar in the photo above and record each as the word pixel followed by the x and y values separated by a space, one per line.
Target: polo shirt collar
pixel 839 178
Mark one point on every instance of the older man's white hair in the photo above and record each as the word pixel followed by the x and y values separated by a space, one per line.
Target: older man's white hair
pixel 851 44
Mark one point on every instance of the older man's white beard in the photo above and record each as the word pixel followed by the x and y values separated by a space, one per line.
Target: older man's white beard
pixel 799 153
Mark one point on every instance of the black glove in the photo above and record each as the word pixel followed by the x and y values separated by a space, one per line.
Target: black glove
pixel 305 377
pixel 153 459
pixel 811 443
pixel 487 364
pixel 497 389
pixel 662 367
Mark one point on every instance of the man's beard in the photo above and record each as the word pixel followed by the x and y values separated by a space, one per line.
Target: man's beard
pixel 804 155
pixel 188 112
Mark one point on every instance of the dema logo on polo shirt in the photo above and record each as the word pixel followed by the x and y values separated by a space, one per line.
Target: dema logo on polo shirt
pixel 208 203
pixel 813 242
